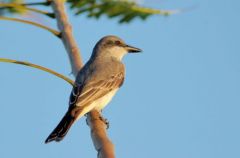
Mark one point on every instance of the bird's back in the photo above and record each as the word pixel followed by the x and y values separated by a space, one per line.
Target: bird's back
pixel 98 69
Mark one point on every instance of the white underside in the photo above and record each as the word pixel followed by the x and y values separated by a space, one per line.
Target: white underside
pixel 100 103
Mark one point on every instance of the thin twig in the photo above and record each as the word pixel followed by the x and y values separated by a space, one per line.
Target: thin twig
pixel 46 3
pixel 56 33
pixel 71 82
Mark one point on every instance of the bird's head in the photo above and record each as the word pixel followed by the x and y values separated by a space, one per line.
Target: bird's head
pixel 112 46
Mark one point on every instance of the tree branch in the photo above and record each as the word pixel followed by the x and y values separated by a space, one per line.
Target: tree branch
pixel 102 143
pixel 56 33
pixel 100 140
pixel 71 82
pixel 67 36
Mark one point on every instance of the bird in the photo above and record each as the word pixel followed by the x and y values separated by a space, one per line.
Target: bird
pixel 96 83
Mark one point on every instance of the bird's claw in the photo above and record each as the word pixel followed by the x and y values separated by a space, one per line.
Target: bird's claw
pixel 105 121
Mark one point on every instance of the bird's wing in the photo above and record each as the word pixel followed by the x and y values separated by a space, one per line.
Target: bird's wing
pixel 83 95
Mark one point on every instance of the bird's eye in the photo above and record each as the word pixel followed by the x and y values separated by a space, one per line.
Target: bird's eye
pixel 109 42
pixel 117 42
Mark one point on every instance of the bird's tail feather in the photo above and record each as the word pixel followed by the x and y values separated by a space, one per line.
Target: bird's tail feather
pixel 62 128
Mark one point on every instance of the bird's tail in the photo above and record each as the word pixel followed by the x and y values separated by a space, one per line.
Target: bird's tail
pixel 62 128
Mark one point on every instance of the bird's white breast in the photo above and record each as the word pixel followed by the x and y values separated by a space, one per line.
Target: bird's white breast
pixel 102 102
pixel 99 104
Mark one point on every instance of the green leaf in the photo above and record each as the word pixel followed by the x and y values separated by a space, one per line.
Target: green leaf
pixel 7 10
pixel 124 10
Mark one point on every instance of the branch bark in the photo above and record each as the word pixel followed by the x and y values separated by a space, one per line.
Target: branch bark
pixel 102 143
pixel 67 36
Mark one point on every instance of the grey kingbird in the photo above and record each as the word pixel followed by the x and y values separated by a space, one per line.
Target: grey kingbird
pixel 96 83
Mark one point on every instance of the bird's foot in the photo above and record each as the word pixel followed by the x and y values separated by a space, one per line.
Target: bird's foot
pixel 105 121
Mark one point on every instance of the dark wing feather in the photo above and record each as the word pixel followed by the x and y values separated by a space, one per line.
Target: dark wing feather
pixel 76 91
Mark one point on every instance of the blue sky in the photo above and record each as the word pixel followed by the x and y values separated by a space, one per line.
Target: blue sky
pixel 180 98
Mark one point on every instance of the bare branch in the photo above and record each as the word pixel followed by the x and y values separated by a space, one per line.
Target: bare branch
pixel 67 36
pixel 71 82
pixel 56 33
pixel 99 136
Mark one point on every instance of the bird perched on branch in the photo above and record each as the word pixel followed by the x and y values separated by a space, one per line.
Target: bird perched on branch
pixel 96 83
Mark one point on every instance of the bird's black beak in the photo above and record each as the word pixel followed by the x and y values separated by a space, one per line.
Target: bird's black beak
pixel 132 49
